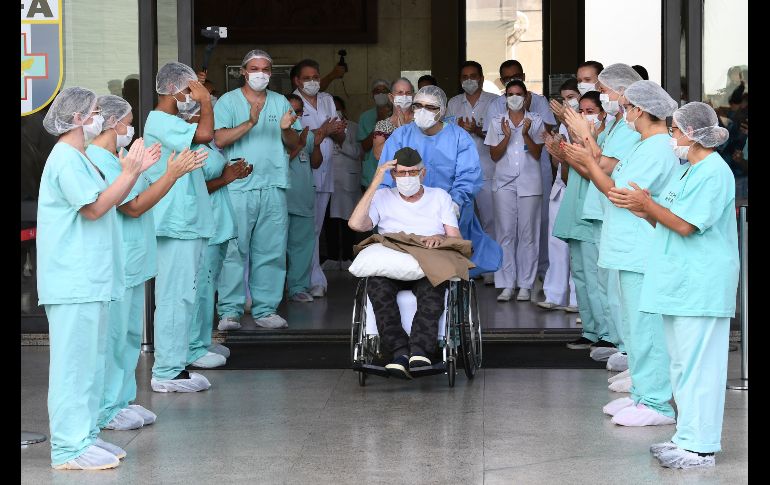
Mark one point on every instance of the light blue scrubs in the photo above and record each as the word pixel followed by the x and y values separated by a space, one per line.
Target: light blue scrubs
pixel 625 246
pixel 452 163
pixel 692 281
pixel 126 316
pixel 80 270
pixel 259 201
pixel 224 231
pixel 183 225
pixel 616 141
pixel 366 123
pixel 300 200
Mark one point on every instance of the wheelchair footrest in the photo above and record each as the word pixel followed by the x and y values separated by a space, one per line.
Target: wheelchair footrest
pixel 434 369
pixel 371 369
pixel 381 371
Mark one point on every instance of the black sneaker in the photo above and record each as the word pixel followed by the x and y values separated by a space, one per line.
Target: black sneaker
pixel 417 361
pixel 581 343
pixel 399 367
pixel 602 343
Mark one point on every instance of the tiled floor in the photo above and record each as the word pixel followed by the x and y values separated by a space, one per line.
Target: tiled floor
pixel 528 426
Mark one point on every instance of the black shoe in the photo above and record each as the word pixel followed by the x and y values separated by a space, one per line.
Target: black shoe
pixel 581 343
pixel 399 367
pixel 418 361
pixel 602 343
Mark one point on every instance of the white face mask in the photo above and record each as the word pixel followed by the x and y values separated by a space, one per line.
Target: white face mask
pixel 258 81
pixel 381 99
pixel 124 140
pixel 340 115
pixel 311 87
pixel 594 118
pixel 611 107
pixel 408 186
pixel 93 130
pixel 470 86
pixel 631 124
pixel 424 119
pixel 585 87
pixel 573 103
pixel 515 102
pixel 186 106
pixel 403 101
pixel 679 151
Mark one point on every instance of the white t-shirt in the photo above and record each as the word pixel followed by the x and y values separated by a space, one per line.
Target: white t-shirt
pixel 425 217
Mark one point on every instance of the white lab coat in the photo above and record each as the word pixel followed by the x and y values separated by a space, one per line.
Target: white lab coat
pixel 347 174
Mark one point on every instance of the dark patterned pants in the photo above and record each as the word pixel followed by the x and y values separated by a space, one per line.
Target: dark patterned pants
pixel 430 303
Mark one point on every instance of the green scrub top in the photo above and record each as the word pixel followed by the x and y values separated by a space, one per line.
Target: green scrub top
pixel 695 275
pixel 139 248
pixel 221 207
pixel 366 123
pixel 616 143
pixel 626 239
pixel 262 146
pixel 567 224
pixel 78 260
pixel 300 196
pixel 185 211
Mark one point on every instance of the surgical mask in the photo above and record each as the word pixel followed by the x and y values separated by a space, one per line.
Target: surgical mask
pixel 611 107
pixel 311 87
pixel 593 119
pixel 515 102
pixel 470 86
pixel 408 186
pixel 124 140
pixel 381 99
pixel 187 105
pixel 340 115
pixel 679 151
pixel 258 81
pixel 573 103
pixel 94 129
pixel 585 87
pixel 424 119
pixel 631 124
pixel 403 101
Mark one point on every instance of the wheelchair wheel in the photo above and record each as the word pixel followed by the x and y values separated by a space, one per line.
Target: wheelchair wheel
pixel 358 327
pixel 362 379
pixel 450 372
pixel 470 331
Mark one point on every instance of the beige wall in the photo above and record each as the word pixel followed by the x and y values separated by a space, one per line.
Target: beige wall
pixel 404 44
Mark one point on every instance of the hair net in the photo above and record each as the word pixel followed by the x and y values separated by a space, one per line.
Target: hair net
pixel 433 95
pixel 114 108
pixel 173 77
pixel 699 122
pixel 381 82
pixel 652 98
pixel 60 116
pixel 618 77
pixel 256 54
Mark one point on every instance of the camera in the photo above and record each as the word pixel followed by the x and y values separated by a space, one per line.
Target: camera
pixel 342 53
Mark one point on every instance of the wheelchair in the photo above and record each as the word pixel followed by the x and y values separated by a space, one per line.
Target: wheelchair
pixel 459 333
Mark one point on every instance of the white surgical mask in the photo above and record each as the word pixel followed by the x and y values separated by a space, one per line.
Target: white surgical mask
pixel 594 118
pixel 403 101
pixel 611 107
pixel 381 99
pixel 585 87
pixel 124 140
pixel 470 86
pixel 679 151
pixel 515 102
pixel 408 186
pixel 340 115
pixel 258 81
pixel 631 124
pixel 187 105
pixel 424 119
pixel 93 130
pixel 311 87
pixel 573 103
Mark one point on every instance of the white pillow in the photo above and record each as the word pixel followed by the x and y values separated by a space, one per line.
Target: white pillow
pixel 377 260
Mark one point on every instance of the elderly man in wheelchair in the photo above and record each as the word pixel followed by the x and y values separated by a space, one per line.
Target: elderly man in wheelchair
pixel 410 208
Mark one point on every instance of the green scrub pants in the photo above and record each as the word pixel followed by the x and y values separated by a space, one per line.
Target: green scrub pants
pixel 299 252
pixel 200 333
pixel 263 223
pixel 78 341
pixel 583 256
pixel 698 347
pixel 608 296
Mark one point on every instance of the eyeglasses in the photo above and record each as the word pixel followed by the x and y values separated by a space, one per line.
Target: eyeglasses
pixel 671 131
pixel 431 108
pixel 405 173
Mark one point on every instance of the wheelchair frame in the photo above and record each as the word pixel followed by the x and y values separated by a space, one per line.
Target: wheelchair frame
pixel 462 336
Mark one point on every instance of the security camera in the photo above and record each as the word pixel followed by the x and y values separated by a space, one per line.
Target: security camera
pixel 214 32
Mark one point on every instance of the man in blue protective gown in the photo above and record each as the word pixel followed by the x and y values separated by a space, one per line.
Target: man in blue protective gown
pixel 453 165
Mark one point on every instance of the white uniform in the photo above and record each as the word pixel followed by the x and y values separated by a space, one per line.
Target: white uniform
pixel 347 174
pixel 517 196
pixel 558 285
pixel 460 107
pixel 323 175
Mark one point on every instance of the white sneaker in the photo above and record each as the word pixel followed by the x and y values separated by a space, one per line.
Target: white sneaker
pixel 209 361
pixel 618 362
pixel 94 458
pixel 229 323
pixel 489 279
pixel 147 416
pixel 601 354
pixel 301 297
pixel 116 450
pixel 679 458
pixel 613 407
pixel 317 291
pixel 571 309
pixel 641 415
pixel 524 294
pixel 125 419
pixel 271 321
pixel 505 295
pixel 549 305
pixel 219 349
pixel 622 385
pixel 579 321
pixel 617 377
pixel 196 382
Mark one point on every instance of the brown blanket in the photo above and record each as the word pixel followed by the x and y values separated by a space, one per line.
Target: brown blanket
pixel 447 260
